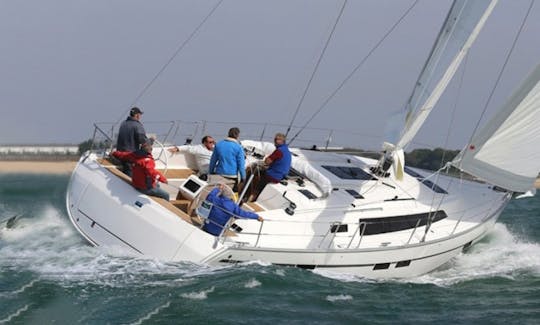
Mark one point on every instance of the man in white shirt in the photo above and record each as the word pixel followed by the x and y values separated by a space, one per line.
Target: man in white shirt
pixel 202 153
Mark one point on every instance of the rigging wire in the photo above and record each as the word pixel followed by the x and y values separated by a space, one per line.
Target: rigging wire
pixel 316 67
pixel 178 50
pixel 500 74
pixel 433 212
pixel 355 70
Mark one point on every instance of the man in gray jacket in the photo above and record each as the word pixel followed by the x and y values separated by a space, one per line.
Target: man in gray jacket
pixel 131 136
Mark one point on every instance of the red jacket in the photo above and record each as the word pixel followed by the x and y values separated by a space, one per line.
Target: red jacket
pixel 144 173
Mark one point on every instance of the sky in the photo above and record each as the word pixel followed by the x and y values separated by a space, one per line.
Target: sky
pixel 67 64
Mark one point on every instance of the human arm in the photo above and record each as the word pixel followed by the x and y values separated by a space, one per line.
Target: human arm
pixel 241 162
pixel 276 155
pixel 123 155
pixel 213 161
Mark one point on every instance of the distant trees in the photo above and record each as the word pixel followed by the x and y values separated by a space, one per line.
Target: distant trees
pixel 429 159
pixel 90 144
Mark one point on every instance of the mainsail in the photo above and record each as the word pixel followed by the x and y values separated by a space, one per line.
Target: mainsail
pixel 507 151
pixel 463 23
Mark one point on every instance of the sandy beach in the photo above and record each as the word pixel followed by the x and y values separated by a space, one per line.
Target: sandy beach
pixel 60 167
pixel 37 167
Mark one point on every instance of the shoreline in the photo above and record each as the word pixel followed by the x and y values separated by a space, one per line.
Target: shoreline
pixel 37 167
pixel 60 167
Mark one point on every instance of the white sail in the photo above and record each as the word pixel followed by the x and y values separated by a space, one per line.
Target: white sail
pixel 507 151
pixel 463 24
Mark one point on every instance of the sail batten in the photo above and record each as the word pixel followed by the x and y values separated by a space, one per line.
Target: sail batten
pixel 506 151
pixel 463 24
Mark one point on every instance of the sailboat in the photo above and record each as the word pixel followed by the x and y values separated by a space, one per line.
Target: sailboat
pixel 374 218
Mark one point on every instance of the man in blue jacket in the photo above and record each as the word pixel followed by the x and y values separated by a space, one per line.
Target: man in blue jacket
pixel 228 160
pixel 278 165
pixel 223 209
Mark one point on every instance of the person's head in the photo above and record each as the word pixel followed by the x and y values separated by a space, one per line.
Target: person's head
pixel 234 133
pixel 226 191
pixel 208 142
pixel 279 138
pixel 135 113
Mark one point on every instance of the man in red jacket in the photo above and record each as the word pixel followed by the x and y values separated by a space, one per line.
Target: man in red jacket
pixel 145 176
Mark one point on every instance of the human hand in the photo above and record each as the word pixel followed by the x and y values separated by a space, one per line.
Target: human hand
pixel 260 218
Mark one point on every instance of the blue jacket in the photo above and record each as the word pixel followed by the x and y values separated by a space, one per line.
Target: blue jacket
pixel 130 135
pixel 279 168
pixel 223 209
pixel 228 159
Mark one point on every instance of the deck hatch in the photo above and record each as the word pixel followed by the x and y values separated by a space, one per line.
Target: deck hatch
pixel 348 172
pixel 354 194
pixel 434 187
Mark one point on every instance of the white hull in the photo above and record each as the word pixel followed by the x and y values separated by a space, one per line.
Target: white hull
pixel 109 212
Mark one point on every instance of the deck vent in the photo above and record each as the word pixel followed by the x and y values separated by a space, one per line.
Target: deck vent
pixel 139 204
pixel 403 263
pixel 339 228
pixel 381 266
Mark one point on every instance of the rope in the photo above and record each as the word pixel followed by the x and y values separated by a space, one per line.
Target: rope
pixel 355 69
pixel 500 73
pixel 178 50
pixel 316 66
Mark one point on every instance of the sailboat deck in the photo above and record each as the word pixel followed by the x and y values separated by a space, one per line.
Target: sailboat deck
pixel 181 207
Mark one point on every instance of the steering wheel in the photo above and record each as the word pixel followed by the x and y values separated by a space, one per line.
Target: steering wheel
pixel 162 156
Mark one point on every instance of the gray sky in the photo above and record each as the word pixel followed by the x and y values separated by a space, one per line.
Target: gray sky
pixel 66 64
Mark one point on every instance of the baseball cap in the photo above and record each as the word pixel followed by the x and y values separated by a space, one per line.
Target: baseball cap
pixel 135 110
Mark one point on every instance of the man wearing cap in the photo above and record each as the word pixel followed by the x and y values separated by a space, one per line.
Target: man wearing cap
pixel 145 176
pixel 131 135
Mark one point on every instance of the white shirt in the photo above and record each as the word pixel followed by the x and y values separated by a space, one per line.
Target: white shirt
pixel 202 156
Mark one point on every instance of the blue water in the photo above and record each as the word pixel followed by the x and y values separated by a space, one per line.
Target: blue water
pixel 48 274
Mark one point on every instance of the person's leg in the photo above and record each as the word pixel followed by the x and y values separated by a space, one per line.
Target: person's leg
pixel 158 192
pixel 126 168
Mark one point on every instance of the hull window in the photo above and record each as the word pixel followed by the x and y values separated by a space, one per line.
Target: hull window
pixel 381 266
pixel 339 228
pixel 376 226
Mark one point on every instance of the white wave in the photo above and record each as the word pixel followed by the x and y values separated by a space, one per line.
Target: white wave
pixel 20 290
pixel 280 272
pixel 343 277
pixel 152 313
pixel 201 295
pixel 49 246
pixel 252 284
pixel 339 298
pixel 500 254
pixel 16 314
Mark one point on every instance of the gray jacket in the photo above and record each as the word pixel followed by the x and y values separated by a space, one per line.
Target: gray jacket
pixel 131 135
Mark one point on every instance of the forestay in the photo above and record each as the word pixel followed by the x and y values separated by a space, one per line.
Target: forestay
pixel 507 151
pixel 463 23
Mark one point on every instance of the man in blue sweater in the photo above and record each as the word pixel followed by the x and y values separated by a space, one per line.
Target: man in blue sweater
pixel 228 160
pixel 278 165
pixel 223 209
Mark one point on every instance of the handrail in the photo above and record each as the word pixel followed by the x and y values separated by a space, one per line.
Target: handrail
pixel 414 230
pixel 360 224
